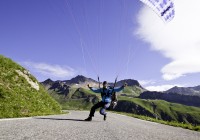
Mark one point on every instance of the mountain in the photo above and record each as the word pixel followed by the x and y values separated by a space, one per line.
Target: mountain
pixel 159 109
pixel 183 95
pixel 21 94
pixel 192 91
pixel 79 80
pixel 130 82
pixel 48 83
pixel 76 92
pixel 63 87
pixel 174 97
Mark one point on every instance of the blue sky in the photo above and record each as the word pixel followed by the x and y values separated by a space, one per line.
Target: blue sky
pixel 60 39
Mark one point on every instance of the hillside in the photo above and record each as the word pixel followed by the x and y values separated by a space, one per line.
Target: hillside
pixel 160 109
pixel 21 94
pixel 190 100
pixel 77 99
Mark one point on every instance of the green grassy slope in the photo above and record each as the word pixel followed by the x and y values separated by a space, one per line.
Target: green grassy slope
pixel 18 98
pixel 160 109
pixel 77 99
pixel 132 91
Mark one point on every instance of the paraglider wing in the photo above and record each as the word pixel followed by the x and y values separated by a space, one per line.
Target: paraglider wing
pixel 164 8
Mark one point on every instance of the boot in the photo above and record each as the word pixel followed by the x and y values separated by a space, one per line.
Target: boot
pixel 104 118
pixel 89 119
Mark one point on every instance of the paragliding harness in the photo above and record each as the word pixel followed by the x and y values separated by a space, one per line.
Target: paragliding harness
pixel 114 95
pixel 103 93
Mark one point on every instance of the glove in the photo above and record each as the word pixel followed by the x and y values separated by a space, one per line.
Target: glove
pixel 125 84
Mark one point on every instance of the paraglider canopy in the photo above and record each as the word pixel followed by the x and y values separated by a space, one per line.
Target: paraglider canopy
pixel 164 8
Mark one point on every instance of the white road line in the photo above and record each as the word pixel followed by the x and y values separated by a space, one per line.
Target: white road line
pixel 25 118
pixel 12 119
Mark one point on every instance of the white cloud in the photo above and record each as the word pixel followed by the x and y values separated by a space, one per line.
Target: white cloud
pixel 52 71
pixel 161 87
pixel 178 40
pixel 146 82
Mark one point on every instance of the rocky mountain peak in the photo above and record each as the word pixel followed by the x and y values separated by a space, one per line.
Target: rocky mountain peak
pixel 80 79
pixel 197 88
pixel 48 82
pixel 130 82
pixel 185 90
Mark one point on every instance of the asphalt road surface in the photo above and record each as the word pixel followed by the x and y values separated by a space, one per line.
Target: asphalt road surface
pixel 72 127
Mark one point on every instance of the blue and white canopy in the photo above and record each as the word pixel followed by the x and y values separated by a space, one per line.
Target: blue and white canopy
pixel 164 8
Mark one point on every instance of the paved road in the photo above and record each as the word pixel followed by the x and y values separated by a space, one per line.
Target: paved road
pixel 71 127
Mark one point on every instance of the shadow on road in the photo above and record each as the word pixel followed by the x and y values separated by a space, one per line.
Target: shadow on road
pixel 60 119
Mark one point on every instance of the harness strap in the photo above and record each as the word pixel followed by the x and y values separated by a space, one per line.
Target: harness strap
pixel 114 84
pixel 99 82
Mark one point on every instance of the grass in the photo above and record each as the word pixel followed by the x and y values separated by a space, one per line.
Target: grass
pixel 171 123
pixel 167 111
pixel 76 100
pixel 18 98
pixel 80 104
pixel 132 91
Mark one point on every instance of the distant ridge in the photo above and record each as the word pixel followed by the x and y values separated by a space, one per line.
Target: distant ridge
pixel 193 91
pixel 80 79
